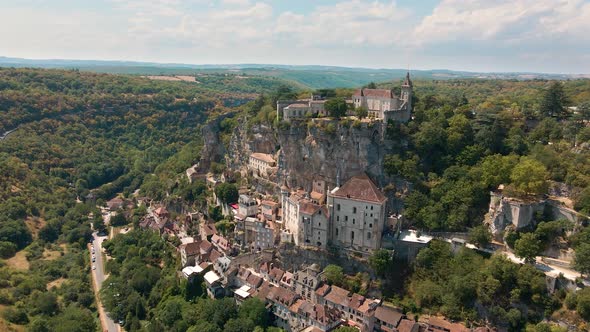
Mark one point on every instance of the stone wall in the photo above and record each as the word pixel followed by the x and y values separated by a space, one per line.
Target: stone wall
pixel 518 214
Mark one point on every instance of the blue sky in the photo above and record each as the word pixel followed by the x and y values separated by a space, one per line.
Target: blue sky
pixel 476 35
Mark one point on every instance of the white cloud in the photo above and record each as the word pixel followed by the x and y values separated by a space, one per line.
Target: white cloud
pixel 504 21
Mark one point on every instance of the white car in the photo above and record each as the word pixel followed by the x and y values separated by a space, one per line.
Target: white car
pixel 94 267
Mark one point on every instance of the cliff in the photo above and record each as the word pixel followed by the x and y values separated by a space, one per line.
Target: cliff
pixel 318 149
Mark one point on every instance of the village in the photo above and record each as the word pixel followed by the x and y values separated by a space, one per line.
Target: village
pixel 351 219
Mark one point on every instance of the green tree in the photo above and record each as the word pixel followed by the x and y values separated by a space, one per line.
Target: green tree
pixel 528 247
pixel 554 100
pixel 583 303
pixel 529 177
pixel 336 107
pixel 480 235
pixel 582 258
pixel 334 274
pixel 239 325
pixel 381 261
pixel 254 310
pixel 7 249
pixel 361 112
pixel 227 192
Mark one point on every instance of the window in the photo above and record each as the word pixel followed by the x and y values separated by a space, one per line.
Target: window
pixel 338 207
pixel 368 235
pixel 354 210
pixel 345 218
pixel 353 221
pixel 370 225
pixel 351 236
pixel 336 231
pixel 337 218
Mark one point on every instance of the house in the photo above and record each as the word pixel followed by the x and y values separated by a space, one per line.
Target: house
pixel 259 234
pixel 261 164
pixel 436 324
pixel 387 319
pixel 357 211
pixel 188 253
pixel 288 110
pixel 314 224
pixel 221 243
pixel 247 207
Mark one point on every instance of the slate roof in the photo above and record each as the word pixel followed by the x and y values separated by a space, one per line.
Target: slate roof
pixel 361 188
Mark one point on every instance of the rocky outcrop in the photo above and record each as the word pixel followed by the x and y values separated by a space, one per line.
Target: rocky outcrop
pixel 213 150
pixel 518 214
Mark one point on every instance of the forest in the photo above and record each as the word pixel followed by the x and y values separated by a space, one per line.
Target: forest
pixel 80 133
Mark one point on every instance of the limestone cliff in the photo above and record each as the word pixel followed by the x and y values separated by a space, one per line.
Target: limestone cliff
pixel 320 149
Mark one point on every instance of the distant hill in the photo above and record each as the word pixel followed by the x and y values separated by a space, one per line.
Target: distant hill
pixel 311 77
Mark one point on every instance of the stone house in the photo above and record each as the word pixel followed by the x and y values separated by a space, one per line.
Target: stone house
pixel 313 224
pixel 357 211
pixel 247 207
pixel 261 163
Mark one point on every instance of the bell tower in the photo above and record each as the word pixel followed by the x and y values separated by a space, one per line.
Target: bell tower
pixel 406 91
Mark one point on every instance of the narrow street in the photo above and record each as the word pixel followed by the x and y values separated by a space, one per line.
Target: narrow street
pixel 98 277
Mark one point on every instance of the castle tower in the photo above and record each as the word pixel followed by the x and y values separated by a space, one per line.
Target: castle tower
pixel 406 91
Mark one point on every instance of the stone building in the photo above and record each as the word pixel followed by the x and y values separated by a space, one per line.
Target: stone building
pixel 384 104
pixel 259 234
pixel 297 109
pixel 357 211
pixel 247 207
pixel 261 163
pixel 314 223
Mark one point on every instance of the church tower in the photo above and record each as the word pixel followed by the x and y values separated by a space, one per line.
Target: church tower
pixel 406 91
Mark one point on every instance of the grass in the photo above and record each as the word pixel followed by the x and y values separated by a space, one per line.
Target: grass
pixel 56 283
pixel 34 225
pixel 19 261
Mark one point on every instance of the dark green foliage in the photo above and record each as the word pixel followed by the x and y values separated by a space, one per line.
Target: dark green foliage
pixel 554 100
pixel 334 274
pixel 336 107
pixel 528 247
pixel 119 219
pixel 452 283
pixel 480 235
pixel 227 192
pixel 381 261
pixel 255 311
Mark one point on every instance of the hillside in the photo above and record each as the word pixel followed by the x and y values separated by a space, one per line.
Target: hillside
pixel 306 77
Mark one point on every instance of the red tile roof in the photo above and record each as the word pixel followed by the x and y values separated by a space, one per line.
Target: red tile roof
pixel 308 208
pixel 361 188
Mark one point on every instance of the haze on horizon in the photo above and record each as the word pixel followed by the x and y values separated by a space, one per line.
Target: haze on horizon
pixel 477 35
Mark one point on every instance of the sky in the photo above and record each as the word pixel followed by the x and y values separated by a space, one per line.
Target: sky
pixel 550 36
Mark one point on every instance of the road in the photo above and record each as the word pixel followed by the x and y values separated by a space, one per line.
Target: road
pixel 5 135
pixel 99 277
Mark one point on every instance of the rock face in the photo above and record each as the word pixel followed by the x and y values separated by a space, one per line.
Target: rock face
pixel 511 212
pixel 333 153
pixel 213 150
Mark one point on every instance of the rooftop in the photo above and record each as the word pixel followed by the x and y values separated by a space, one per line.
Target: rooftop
pixel 263 157
pixel 360 188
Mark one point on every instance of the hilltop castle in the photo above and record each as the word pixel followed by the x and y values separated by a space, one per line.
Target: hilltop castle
pixel 382 104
